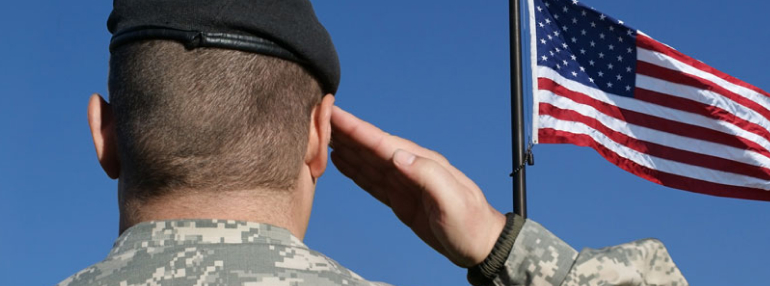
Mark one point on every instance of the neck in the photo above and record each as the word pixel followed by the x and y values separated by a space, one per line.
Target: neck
pixel 287 209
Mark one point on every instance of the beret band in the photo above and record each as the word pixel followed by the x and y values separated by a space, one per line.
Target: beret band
pixel 286 29
pixel 194 39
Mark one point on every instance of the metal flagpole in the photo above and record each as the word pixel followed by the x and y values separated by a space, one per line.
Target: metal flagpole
pixel 517 112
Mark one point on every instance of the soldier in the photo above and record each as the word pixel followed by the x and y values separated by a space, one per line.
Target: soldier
pixel 217 130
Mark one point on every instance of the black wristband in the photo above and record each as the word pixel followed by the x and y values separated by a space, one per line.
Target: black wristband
pixel 487 270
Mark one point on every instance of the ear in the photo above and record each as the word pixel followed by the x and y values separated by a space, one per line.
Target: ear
pixel 102 123
pixel 320 133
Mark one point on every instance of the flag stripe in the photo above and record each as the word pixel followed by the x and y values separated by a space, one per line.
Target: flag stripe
pixel 648 43
pixel 702 102
pixel 550 135
pixel 665 61
pixel 654 116
pixel 699 83
pixel 657 150
pixel 688 105
pixel 655 136
pixel 646 160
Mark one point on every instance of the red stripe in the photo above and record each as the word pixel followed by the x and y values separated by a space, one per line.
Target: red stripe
pixel 648 43
pixel 679 77
pixel 692 106
pixel 652 122
pixel 548 135
pixel 658 150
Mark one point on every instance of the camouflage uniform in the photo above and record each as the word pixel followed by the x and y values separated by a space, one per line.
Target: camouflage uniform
pixel 218 252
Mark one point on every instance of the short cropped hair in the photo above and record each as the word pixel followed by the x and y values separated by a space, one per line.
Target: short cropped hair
pixel 208 119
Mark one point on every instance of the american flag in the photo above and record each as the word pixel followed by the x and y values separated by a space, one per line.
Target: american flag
pixel 644 106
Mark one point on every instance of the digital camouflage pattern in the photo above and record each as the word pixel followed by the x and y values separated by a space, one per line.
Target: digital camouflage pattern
pixel 213 252
pixel 219 252
pixel 539 258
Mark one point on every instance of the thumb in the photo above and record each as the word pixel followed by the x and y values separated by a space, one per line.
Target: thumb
pixel 429 176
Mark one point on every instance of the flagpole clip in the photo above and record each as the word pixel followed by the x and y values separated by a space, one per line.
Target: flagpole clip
pixel 529 160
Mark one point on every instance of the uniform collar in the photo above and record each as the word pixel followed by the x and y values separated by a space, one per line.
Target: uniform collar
pixel 190 232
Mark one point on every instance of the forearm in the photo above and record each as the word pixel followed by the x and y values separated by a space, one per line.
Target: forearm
pixel 538 257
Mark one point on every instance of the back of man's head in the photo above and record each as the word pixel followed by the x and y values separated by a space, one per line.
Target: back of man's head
pixel 207 119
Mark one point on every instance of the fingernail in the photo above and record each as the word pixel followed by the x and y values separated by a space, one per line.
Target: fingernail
pixel 402 157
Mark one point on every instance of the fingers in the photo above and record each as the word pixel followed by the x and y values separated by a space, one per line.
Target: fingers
pixel 364 175
pixel 353 132
pixel 376 146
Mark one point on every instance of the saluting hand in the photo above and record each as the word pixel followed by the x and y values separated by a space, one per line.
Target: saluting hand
pixel 437 201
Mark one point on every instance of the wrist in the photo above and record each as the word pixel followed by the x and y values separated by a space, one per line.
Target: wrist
pixel 484 272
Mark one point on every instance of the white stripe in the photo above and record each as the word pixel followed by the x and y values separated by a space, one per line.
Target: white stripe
pixel 653 109
pixel 533 65
pixel 703 96
pixel 652 162
pixel 656 136
pixel 666 61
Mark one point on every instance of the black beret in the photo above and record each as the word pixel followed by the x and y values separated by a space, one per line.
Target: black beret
pixel 286 29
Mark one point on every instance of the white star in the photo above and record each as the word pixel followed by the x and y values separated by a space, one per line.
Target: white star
pixel 547 4
pixel 545 58
pixel 564 28
pixel 574 2
pixel 591 79
pixel 574 20
pixel 611 47
pixel 556 16
pixel 593 25
pixel 542 41
pixel 630 33
pixel 574 74
pixel 582 69
pixel 565 62
pixel 601 36
pixel 620 22
pixel 547 21
pixel 609 84
pixel 556 33
pixel 620 58
pixel 601 74
pixel 601 55
pixel 629 50
pixel 574 40
pixel 602 17
pixel 574 58
pixel 591 62
pixel 539 9
pixel 628 69
pixel 584 13
pixel 610 66
pixel 541 24
pixel 558 66
pixel 583 51
pixel 620 39
pixel 619 77
pixel 565 9
pixel 552 54
pixel 550 37
pixel 557 49
pixel 612 28
pixel 593 44
pixel 628 88
pixel 583 32
pixel 564 45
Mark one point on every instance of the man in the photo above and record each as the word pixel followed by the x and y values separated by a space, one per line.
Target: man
pixel 217 130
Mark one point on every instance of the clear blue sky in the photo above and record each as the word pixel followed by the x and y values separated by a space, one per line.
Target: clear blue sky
pixel 433 71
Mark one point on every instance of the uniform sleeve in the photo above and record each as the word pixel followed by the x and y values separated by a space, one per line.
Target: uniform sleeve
pixel 539 258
